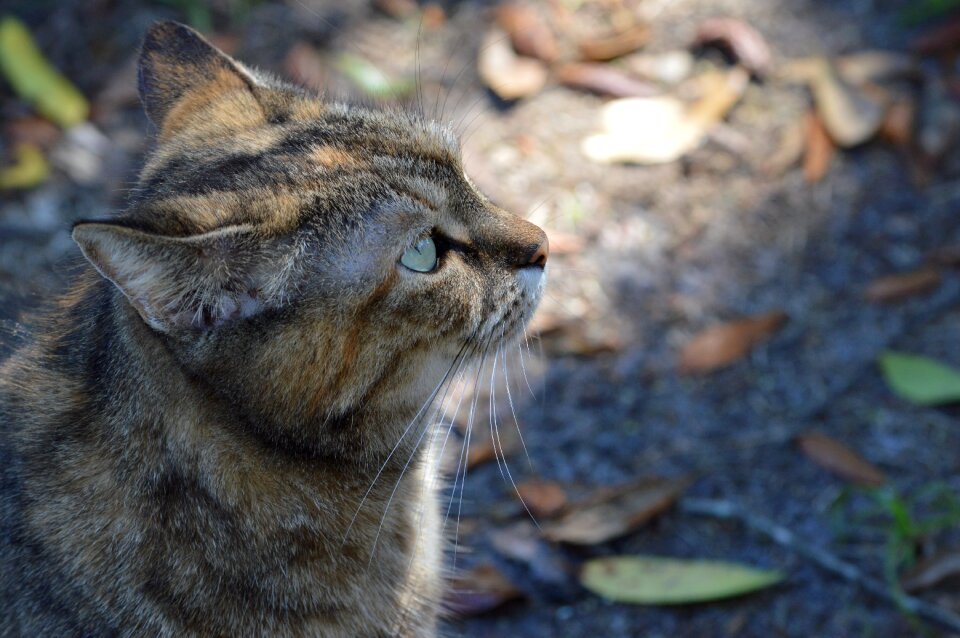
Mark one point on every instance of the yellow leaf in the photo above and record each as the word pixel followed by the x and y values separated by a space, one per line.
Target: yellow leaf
pixel 29 168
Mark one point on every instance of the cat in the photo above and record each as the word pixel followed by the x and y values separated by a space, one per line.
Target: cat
pixel 204 436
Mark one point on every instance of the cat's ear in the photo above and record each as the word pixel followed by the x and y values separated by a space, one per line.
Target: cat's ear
pixel 195 283
pixel 180 74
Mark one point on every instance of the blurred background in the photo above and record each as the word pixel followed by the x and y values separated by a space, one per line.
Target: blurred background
pixel 735 413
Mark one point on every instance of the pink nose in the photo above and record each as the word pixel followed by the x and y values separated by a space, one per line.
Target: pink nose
pixel 539 257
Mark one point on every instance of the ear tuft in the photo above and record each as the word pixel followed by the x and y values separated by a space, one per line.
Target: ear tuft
pixel 175 61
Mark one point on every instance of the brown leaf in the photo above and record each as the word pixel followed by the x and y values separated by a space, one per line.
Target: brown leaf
pixel 932 571
pixel 396 8
pixel 306 66
pixel 818 151
pixel 902 285
pixel 613 512
pixel 616 45
pixel 865 67
pixel 850 114
pixel 743 41
pixel 434 16
pixel 521 543
pixel 34 130
pixel 481 452
pixel 529 33
pixel 480 590
pixel 544 499
pixel 508 75
pixel 604 79
pixel 721 345
pixel 940 39
pixel 837 458
pixel 897 126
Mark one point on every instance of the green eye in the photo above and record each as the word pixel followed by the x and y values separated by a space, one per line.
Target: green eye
pixel 421 257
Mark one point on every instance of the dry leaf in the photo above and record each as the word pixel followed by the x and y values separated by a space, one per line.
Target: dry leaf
pixel 521 543
pixel 508 75
pixel 719 346
pixel 743 41
pixel 480 452
pixel 480 590
pixel 897 126
pixel 793 142
pixel 32 130
pixel 544 499
pixel 614 46
pixel 656 130
pixel 940 39
pixel 604 79
pixel 613 512
pixel 850 114
pixel 865 67
pixel 837 458
pixel 528 32
pixel 818 151
pixel 902 285
pixel 932 571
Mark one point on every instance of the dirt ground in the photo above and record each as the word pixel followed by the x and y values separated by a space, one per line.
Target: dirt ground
pixel 667 250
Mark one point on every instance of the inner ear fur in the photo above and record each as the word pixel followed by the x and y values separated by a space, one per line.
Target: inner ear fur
pixel 198 282
pixel 180 73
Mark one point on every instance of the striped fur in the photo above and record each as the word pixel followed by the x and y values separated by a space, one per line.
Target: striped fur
pixel 188 439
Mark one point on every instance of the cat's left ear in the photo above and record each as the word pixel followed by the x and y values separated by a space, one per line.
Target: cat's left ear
pixel 196 283
pixel 182 76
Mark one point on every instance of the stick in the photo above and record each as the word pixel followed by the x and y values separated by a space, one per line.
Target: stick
pixel 782 536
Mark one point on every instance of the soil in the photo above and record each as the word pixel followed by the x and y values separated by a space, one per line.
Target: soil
pixel 668 250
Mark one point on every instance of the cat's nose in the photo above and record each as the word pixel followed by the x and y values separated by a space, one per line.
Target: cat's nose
pixel 540 254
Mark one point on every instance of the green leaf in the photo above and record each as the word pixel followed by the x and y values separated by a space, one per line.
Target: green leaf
pixel 35 80
pixel 920 380
pixel 29 169
pixel 659 580
pixel 371 80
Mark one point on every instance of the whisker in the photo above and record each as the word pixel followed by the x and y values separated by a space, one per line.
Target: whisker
pixel 516 422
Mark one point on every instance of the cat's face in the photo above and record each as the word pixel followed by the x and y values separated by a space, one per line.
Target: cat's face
pixel 308 255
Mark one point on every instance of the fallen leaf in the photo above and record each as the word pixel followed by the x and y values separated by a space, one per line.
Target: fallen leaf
pixel 932 571
pixel 614 46
pixel 480 590
pixel 508 75
pixel 396 8
pixel 29 168
pixel 920 380
pixel 897 287
pixel 613 512
pixel 529 33
pixel 32 130
pixel 721 345
pixel 834 456
pixel 897 126
pixel 660 580
pixel 434 16
pixel 942 38
pixel 304 65
pixel 850 114
pixel 521 543
pixel 739 38
pixel 370 79
pixel 34 78
pixel 865 67
pixel 670 67
pixel 544 499
pixel 480 452
pixel 818 150
pixel 604 79
pixel 655 130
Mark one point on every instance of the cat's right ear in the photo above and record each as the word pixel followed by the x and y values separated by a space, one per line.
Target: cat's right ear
pixel 182 76
pixel 194 283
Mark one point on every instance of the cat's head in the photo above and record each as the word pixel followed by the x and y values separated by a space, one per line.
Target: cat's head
pixel 304 255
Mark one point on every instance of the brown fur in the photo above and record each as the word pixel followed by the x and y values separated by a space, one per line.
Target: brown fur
pixel 194 444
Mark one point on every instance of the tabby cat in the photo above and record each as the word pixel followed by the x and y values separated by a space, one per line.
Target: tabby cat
pixel 204 436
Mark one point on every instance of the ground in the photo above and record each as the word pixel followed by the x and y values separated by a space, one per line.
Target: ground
pixel 668 250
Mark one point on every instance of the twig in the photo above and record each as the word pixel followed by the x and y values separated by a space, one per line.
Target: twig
pixel 782 536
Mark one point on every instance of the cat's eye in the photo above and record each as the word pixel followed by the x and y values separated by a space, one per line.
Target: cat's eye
pixel 422 256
